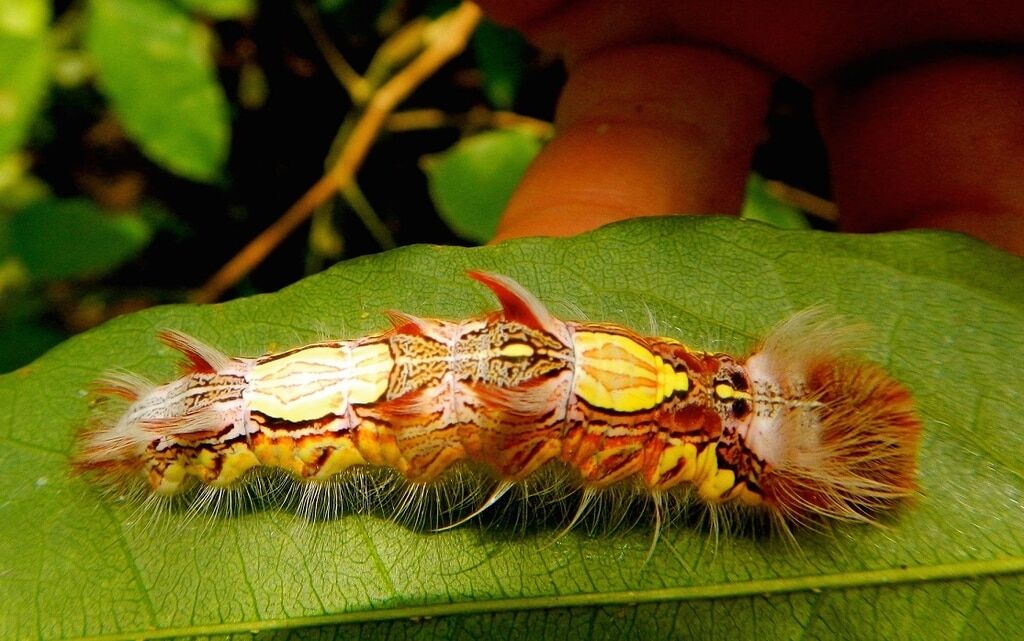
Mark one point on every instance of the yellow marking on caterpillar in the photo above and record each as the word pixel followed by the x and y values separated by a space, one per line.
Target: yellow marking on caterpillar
pixel 617 373
pixel 727 392
pixel 344 455
pixel 714 489
pixel 746 497
pixel 279 453
pixel 377 446
pixel 711 481
pixel 235 461
pixel 168 481
pixel 706 465
pixel 203 466
pixel 516 350
pixel 675 452
pixel 370 365
pixel 318 381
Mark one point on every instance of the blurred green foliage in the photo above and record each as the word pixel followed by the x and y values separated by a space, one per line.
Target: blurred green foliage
pixel 154 65
pixel 500 54
pixel 471 182
pixel 24 61
pixel 762 206
pixel 73 238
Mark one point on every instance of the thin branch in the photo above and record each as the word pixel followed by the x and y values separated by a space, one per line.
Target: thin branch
pixel 357 87
pixel 474 120
pixel 813 205
pixel 364 210
pixel 542 129
pixel 451 39
pixel 400 47
pixel 419 119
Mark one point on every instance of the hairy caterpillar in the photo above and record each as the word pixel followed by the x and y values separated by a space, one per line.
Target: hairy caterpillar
pixel 801 429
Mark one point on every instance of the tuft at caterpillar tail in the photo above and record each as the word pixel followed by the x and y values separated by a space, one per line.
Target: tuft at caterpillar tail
pixel 802 429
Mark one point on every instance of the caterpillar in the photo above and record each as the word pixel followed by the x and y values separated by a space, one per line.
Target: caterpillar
pixel 803 429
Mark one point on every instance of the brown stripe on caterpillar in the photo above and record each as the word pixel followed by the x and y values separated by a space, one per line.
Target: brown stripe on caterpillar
pixel 803 428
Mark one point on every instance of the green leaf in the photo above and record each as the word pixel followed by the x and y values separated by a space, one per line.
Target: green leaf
pixel 948 319
pixel 221 9
pixel 763 207
pixel 500 55
pixel 18 186
pixel 155 67
pixel 472 182
pixel 330 6
pixel 24 67
pixel 22 342
pixel 73 238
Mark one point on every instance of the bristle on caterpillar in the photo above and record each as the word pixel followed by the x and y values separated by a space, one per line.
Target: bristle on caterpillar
pixel 804 429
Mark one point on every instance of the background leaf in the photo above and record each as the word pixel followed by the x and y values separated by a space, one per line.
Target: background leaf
pixel 24 67
pixel 763 207
pixel 472 182
pixel 948 315
pixel 73 237
pixel 500 54
pixel 21 341
pixel 155 67
pixel 221 9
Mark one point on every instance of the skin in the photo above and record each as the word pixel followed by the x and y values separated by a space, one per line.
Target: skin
pixel 921 104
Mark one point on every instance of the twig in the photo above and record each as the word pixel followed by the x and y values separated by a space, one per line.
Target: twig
pixel 449 42
pixel 364 210
pixel 400 47
pixel 813 205
pixel 358 89
pixel 475 119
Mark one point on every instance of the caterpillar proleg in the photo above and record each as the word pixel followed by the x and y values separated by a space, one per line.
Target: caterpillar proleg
pixel 802 429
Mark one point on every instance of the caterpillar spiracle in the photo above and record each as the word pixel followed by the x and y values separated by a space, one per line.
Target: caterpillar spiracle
pixel 802 429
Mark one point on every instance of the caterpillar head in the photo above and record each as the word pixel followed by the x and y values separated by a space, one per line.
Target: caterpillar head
pixel 837 435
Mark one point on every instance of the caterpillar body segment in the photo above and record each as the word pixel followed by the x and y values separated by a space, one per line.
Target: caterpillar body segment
pixel 801 428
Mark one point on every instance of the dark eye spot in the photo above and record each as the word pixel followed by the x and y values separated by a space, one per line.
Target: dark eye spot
pixel 739 381
pixel 740 408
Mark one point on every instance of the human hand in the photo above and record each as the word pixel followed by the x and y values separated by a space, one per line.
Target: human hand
pixel 921 104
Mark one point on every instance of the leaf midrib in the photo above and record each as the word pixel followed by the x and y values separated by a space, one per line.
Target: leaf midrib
pixel 760 587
